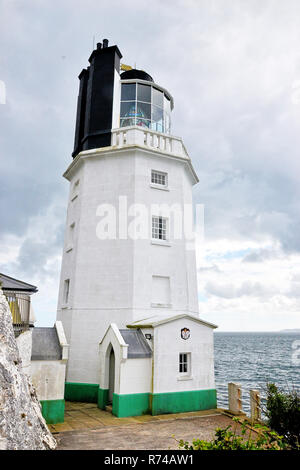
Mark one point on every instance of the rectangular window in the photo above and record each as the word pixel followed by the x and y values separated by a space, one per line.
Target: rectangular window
pixel 161 291
pixel 66 290
pixel 159 178
pixel 159 228
pixel 71 233
pixel 75 190
pixel 185 363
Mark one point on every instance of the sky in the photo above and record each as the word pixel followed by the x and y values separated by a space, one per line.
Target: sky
pixel 233 68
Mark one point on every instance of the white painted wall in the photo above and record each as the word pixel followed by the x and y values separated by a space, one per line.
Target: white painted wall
pixel 48 378
pixel 167 346
pixel 110 280
pixel 136 375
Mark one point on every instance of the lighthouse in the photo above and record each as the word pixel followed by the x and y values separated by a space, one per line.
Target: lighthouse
pixel 128 287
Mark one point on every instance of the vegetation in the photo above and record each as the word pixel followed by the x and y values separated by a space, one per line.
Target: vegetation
pixel 282 429
pixel 228 439
pixel 283 414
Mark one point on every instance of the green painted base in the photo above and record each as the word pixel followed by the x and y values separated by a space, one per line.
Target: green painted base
pixel 81 392
pixel 102 398
pixel 53 411
pixel 136 404
pixel 181 402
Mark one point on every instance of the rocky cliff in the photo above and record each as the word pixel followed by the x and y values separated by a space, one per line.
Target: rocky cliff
pixel 22 425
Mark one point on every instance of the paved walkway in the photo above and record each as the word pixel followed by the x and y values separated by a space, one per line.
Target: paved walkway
pixel 88 427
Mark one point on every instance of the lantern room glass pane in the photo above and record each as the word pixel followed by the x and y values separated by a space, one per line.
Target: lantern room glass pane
pixel 157 114
pixel 144 93
pixel 128 109
pixel 128 91
pixel 143 110
pixel 167 104
pixel 126 122
pixel 157 97
pixel 143 122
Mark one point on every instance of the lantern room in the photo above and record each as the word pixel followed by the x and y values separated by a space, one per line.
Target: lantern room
pixel 143 103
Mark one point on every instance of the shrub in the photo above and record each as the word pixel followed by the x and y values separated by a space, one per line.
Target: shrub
pixel 283 413
pixel 227 439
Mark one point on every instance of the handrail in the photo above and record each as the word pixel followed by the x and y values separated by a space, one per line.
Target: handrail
pixel 138 135
pixel 19 304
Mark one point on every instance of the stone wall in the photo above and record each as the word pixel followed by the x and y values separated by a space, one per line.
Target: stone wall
pixel 22 425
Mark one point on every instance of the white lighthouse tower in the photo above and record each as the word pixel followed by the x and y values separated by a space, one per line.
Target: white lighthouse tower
pixel 128 289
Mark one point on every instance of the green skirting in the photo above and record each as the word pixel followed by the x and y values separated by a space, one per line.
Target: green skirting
pixel 181 402
pixel 136 404
pixel 102 398
pixel 81 392
pixel 53 411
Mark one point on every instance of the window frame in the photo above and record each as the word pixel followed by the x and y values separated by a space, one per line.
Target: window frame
pixel 159 173
pixel 184 361
pixel 163 229
pixel 66 292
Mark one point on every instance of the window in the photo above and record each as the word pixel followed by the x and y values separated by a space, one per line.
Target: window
pixel 159 228
pixel 146 106
pixel 161 291
pixel 185 363
pixel 66 290
pixel 159 178
pixel 75 190
pixel 71 233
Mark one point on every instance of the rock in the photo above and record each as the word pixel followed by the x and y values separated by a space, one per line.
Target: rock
pixel 22 425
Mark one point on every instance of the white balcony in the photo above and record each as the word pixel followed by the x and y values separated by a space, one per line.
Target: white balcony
pixel 135 135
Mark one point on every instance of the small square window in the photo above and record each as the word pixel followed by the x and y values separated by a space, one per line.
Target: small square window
pixel 159 228
pixel 159 178
pixel 185 363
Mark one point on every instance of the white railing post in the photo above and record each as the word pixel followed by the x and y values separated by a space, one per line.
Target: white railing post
pixel 235 398
pixel 146 137
pixel 255 405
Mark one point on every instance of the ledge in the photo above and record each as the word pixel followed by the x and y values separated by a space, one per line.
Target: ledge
pixel 156 186
pixel 160 242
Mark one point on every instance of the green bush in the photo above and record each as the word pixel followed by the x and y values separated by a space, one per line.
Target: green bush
pixel 228 439
pixel 283 414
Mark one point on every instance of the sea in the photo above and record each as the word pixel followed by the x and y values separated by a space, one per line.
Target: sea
pixel 255 359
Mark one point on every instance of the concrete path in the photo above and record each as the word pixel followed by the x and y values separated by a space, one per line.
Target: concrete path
pixel 88 428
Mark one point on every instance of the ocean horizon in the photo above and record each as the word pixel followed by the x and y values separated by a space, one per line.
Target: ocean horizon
pixel 254 359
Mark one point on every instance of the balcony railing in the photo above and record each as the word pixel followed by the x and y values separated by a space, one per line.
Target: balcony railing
pixel 142 136
pixel 19 305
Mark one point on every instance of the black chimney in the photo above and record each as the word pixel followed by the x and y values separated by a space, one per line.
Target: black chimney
pixel 95 99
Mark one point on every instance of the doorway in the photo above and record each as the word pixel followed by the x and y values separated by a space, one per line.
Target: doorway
pixel 111 376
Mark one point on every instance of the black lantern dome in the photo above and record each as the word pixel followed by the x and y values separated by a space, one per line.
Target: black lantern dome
pixel 136 74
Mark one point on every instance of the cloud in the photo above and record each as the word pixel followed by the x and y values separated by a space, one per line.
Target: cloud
pixel 234 72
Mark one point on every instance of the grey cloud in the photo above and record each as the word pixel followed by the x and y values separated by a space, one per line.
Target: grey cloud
pixel 259 256
pixel 231 71
pixel 247 288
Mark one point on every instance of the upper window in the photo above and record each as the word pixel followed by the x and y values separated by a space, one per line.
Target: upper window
pixel 159 178
pixel 146 106
pixel 159 228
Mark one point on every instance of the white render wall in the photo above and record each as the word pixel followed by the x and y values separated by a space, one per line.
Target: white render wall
pixel 110 280
pixel 48 378
pixel 136 376
pixel 166 359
